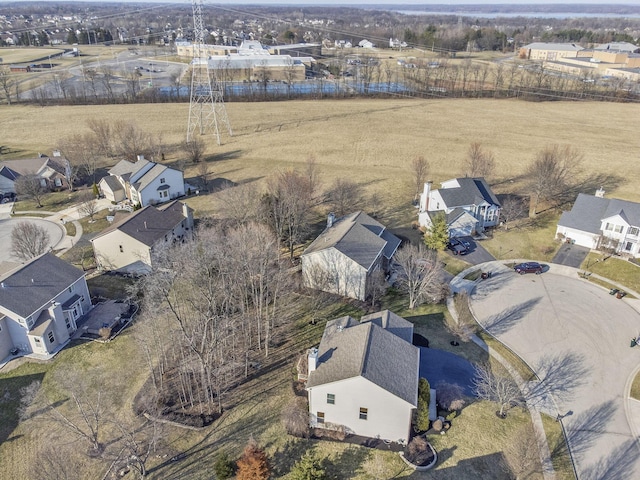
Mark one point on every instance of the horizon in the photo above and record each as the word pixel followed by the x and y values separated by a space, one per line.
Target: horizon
pixel 358 3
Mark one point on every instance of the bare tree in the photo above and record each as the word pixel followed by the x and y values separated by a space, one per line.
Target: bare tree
pixel 78 151
pixel 6 83
pixel 479 162
pixel 101 130
pixel 204 171
pixel 420 275
pixel 29 240
pixel 420 171
pixel 138 443
pixel 239 203
pixel 89 206
pixel 287 205
pixel 345 196
pixel 51 460
pixel 523 454
pixel 129 140
pixel 195 148
pixel 512 208
pixel 376 286
pixel 553 171
pixel 295 418
pixel 498 387
pixel 31 186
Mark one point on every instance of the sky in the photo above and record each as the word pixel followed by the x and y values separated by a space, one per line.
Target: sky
pixel 378 2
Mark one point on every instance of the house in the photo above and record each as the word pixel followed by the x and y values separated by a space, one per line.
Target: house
pixel 128 245
pixel 468 204
pixel 365 44
pixel 50 171
pixel 363 377
pixel 347 253
pixel 142 182
pixel 40 304
pixel 595 222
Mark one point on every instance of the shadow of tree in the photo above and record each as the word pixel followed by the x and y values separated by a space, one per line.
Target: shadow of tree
pixel 350 460
pixel 502 322
pixel 590 184
pixel 11 400
pixel 618 465
pixel 230 155
pixel 285 457
pixel 559 374
pixel 583 429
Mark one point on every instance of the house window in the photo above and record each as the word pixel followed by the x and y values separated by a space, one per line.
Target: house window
pixel 331 399
pixel 320 416
pixel 364 412
pixel 66 320
pixel 71 289
pixel 121 249
pixel 162 180
pixel 633 231
pixel 58 182
pixel 608 226
pixel 51 339
pixel 43 183
pixel 628 246
pixel 618 228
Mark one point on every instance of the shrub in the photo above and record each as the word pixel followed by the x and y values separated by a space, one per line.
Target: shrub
pixel 224 467
pixel 451 416
pixel 424 398
pixel 104 332
pixel 437 425
pixel 450 396
pixel 295 418
pixel 308 468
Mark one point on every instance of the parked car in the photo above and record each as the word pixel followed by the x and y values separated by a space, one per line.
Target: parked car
pixel 528 267
pixel 457 247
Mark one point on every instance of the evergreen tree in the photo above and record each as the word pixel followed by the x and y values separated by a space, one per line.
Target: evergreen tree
pixel 437 236
pixel 224 467
pixel 424 398
pixel 308 468
pixel 253 465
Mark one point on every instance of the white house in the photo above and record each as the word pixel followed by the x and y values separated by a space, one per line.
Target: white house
pixel 468 203
pixel 143 182
pixel 128 245
pixel 595 221
pixel 364 377
pixel 40 303
pixel 346 254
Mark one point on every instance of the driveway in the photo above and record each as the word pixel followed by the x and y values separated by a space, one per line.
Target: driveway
pixel 570 255
pixel 576 337
pixel 438 365
pixel 477 253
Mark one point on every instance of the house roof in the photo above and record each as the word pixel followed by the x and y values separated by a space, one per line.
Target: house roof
pixel 572 47
pixel 8 173
pixel 112 182
pixel 471 191
pixel 588 211
pixel 359 237
pixel 30 286
pixel 150 176
pixel 37 166
pixel 392 322
pixel 149 224
pixel 350 349
pixel 126 168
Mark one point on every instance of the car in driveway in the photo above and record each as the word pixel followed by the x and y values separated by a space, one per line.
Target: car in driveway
pixel 458 247
pixel 528 267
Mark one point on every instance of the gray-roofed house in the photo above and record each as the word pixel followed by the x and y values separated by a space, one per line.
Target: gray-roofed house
pixel 364 377
pixel 143 182
pixel 595 221
pixel 50 172
pixel 129 243
pixel 40 303
pixel 468 204
pixel 346 254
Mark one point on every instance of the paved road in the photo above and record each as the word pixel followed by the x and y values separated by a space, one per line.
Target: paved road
pixel 570 255
pixel 7 260
pixel 577 337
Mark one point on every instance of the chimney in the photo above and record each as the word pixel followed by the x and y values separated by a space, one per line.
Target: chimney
pixel 313 360
pixel 330 219
pixel 139 157
pixel 56 153
pixel 600 193
pixel 186 213
pixel 424 198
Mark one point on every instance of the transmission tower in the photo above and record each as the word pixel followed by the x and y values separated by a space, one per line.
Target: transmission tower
pixel 206 110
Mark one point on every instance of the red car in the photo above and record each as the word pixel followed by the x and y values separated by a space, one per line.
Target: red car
pixel 528 267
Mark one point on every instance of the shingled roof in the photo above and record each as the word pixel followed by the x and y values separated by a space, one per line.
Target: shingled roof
pixel 471 191
pixel 588 211
pixel 357 236
pixel 149 224
pixel 350 349
pixel 31 286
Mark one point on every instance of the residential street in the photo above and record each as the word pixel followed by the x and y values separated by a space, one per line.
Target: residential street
pixel 577 338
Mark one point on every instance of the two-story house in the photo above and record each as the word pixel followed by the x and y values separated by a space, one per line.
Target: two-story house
pixel 468 204
pixel 40 303
pixel 364 377
pixel 128 245
pixel 595 222
pixel 346 254
pixel 142 182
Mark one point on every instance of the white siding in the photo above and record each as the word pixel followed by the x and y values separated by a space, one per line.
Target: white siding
pixel 331 271
pixel 387 415
pixel 6 343
pixel 107 250
pixel 584 239
pixel 150 194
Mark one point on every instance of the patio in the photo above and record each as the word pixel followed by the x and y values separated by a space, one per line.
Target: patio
pixel 109 314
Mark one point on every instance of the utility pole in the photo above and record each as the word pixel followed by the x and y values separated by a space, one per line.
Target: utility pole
pixel 206 107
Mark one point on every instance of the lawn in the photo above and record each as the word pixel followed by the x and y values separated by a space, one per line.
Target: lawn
pixel 51 202
pixel 614 268
pixel 635 387
pixel 557 445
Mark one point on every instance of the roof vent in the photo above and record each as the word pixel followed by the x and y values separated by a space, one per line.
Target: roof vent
pixel 600 193
pixel 340 328
pixel 2 285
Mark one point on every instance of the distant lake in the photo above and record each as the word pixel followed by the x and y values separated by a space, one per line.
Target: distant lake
pixel 558 15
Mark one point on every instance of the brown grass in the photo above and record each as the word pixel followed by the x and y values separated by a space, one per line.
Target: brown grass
pixel 617 269
pixel 559 454
pixel 635 387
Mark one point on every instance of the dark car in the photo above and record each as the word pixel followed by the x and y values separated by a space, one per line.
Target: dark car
pixel 528 267
pixel 457 247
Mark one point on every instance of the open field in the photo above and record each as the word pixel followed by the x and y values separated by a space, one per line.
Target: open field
pixel 26 55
